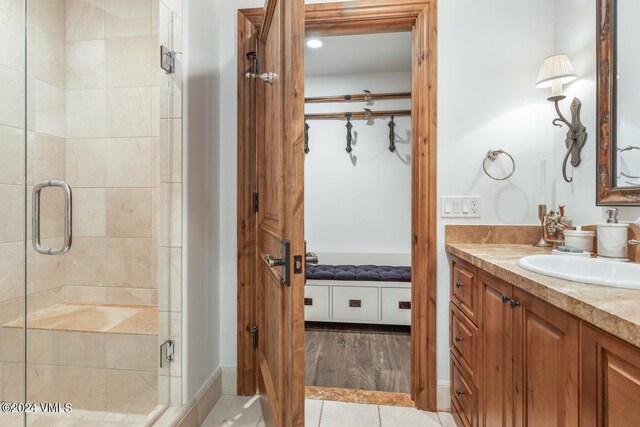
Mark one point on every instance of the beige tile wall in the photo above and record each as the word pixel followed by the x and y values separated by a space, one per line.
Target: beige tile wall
pixel 112 150
pixel 104 118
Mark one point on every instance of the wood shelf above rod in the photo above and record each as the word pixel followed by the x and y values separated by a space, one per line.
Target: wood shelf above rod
pixel 363 97
pixel 361 115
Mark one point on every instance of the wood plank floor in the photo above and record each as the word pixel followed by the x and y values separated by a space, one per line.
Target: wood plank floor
pixel 364 357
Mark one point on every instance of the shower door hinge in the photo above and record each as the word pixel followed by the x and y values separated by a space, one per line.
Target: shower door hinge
pixel 167 59
pixel 256 202
pixel 167 352
pixel 256 334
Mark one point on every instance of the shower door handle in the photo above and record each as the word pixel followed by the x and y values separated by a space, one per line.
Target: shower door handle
pixel 37 241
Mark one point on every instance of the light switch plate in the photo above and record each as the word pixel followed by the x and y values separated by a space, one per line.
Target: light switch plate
pixel 461 207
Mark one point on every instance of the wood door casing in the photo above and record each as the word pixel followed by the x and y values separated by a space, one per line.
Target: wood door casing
pixel 546 368
pixel 496 354
pixel 363 17
pixel 610 386
pixel 280 172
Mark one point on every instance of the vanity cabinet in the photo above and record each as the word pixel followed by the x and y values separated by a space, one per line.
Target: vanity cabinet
pixel 610 380
pixel 524 369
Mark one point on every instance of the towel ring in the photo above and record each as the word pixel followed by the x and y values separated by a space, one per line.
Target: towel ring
pixel 493 156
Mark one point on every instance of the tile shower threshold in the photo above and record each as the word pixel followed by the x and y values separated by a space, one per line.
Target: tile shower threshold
pixel 94 317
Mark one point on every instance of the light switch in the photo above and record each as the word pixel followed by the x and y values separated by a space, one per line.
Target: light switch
pixel 447 207
pixel 457 206
pixel 466 206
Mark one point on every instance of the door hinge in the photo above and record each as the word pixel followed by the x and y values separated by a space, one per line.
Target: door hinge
pixel 167 352
pixel 256 202
pixel 256 333
pixel 167 59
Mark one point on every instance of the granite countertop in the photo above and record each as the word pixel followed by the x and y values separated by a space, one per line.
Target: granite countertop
pixel 613 310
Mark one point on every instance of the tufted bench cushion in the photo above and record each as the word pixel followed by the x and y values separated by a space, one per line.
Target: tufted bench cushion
pixel 374 273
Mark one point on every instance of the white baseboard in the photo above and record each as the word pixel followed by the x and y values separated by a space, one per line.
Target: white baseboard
pixel 443 394
pixel 229 380
pixel 194 413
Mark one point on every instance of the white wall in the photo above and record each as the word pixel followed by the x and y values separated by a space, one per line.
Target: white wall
pixel 359 203
pixel 201 289
pixel 575 35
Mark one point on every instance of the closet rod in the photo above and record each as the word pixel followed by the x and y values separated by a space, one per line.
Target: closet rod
pixel 358 98
pixel 364 115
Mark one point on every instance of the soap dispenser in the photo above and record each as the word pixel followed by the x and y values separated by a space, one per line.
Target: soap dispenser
pixel 613 238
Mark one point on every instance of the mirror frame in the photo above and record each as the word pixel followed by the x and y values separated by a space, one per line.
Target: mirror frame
pixel 607 193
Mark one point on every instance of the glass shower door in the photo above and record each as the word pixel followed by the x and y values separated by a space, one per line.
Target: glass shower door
pixel 92 183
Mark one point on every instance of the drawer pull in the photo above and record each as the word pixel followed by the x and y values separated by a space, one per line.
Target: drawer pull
pixel 308 301
pixel 459 393
pixel 355 303
pixel 458 285
pixel 457 339
pixel 404 305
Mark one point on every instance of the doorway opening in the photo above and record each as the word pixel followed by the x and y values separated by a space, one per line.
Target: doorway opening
pixel 358 214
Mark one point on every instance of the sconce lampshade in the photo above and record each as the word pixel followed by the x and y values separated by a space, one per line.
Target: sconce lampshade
pixel 556 69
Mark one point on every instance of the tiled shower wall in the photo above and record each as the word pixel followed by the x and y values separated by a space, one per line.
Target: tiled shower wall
pixel 106 119
pixel 112 130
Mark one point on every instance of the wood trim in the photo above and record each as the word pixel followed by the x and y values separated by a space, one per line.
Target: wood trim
pixel 424 202
pixel 354 17
pixel 359 115
pixel 607 194
pixel 357 98
pixel 366 17
pixel 246 222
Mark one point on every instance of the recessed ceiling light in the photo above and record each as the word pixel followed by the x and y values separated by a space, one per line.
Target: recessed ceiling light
pixel 314 43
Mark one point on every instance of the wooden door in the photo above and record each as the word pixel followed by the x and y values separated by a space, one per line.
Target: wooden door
pixel 496 321
pixel 280 176
pixel 546 355
pixel 610 390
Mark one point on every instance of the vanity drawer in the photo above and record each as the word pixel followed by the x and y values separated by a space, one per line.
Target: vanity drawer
pixel 464 342
pixel 355 304
pixel 464 397
pixel 316 302
pixel 396 306
pixel 464 287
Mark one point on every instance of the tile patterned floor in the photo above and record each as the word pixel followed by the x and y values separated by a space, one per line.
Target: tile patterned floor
pixel 236 411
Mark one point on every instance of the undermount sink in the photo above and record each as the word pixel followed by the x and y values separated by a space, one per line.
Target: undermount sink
pixel 585 270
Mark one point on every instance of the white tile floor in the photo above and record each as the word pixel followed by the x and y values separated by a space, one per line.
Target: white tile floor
pixel 236 411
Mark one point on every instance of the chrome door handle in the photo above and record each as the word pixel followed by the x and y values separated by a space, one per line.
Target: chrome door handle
pixel 273 262
pixel 68 214
pixel 265 77
pixel 634 242
pixel 312 258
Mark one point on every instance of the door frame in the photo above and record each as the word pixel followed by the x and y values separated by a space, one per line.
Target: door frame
pixel 363 17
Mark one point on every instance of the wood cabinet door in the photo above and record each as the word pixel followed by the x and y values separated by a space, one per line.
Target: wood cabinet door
pixel 546 363
pixel 280 219
pixel 610 391
pixel 496 384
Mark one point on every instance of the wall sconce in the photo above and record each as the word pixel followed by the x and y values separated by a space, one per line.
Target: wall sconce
pixel 556 71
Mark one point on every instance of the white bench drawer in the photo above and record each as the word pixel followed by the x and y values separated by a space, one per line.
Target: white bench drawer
pixel 396 306
pixel 316 302
pixel 355 304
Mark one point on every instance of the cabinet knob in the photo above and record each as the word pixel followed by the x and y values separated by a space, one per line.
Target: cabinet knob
pixel 513 303
pixel 505 298
pixel 459 393
pixel 458 285
pixel 457 339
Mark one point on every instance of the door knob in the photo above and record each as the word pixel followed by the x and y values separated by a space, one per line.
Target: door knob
pixel 312 258
pixel 273 262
